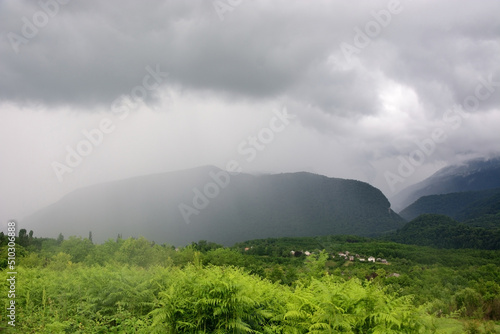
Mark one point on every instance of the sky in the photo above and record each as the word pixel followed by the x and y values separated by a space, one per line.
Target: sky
pixel 385 92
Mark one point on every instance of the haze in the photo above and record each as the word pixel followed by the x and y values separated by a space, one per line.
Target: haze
pixel 158 86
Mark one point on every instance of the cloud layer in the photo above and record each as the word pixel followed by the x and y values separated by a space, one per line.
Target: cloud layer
pixel 368 81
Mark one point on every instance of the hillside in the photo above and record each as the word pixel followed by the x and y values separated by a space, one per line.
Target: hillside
pixel 488 206
pixel 259 284
pixel 443 232
pixel 461 206
pixel 490 221
pixel 249 207
pixel 473 175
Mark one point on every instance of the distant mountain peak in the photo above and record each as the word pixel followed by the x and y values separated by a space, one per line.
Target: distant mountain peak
pixel 468 167
pixel 472 175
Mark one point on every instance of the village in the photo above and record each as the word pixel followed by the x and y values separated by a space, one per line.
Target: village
pixel 347 256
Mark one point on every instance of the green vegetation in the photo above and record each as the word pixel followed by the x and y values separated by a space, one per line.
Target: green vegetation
pixel 137 286
pixel 443 232
pixel 489 221
pixel 461 206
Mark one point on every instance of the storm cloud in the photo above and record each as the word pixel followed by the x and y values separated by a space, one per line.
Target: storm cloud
pixel 368 81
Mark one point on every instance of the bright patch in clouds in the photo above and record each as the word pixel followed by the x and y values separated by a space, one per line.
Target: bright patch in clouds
pixel 222 82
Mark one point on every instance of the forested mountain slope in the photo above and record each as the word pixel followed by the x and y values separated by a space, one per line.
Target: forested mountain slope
pixel 207 203
pixel 461 206
pixel 472 175
pixel 443 232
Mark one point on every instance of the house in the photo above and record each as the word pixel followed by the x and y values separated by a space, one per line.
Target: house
pixel 351 258
pixel 371 259
pixel 307 253
pixel 362 259
pixel 394 275
pixel 246 249
pixel 384 261
pixel 292 252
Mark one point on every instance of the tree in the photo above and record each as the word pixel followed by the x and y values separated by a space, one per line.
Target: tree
pixel 139 252
pixel 316 264
pixel 205 246
pixel 60 238
pixel 23 237
pixel 103 253
pixel 77 247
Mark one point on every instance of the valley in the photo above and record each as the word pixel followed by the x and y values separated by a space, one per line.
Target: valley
pixel 282 253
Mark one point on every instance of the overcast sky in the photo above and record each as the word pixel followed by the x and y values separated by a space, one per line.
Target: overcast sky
pixel 367 86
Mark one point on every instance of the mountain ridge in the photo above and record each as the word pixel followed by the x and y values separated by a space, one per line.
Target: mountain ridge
pixel 248 206
pixel 461 206
pixel 440 231
pixel 471 175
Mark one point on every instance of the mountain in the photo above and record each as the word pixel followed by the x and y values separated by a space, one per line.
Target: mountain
pixel 489 221
pixel 207 203
pixel 461 206
pixel 487 206
pixel 472 175
pixel 443 232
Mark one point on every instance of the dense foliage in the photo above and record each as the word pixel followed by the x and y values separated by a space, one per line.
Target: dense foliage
pixel 462 206
pixel 443 232
pixel 489 221
pixel 136 286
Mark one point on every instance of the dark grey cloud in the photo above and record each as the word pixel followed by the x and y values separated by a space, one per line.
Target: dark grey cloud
pixel 91 52
pixel 355 117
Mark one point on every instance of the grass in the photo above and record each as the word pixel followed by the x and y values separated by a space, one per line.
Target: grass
pixel 449 326
pixel 454 326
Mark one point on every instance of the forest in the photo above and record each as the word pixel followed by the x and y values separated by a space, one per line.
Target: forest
pixel 443 232
pixel 276 285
